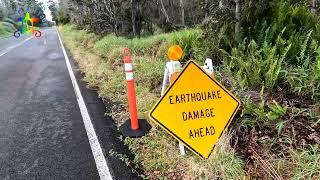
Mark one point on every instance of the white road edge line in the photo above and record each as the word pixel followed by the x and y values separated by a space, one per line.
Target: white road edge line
pixel 96 149
pixel 13 47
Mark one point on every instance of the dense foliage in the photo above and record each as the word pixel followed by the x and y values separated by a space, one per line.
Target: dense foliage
pixel 279 45
pixel 134 17
pixel 15 9
pixel 12 10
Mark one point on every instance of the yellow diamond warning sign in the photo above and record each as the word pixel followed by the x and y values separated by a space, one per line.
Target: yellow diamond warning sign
pixel 196 110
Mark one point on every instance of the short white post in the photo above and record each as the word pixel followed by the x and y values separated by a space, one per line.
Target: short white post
pixel 208 66
pixel 171 67
pixel 181 148
pixel 165 79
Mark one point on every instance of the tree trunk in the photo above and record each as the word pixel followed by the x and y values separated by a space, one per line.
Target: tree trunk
pixel 182 13
pixel 134 16
pixel 238 19
pixel 220 4
pixel 164 12
pixel 171 8
pixel 314 6
pixel 206 10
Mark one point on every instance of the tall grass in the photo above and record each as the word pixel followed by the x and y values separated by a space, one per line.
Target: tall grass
pixel 189 39
pixel 103 70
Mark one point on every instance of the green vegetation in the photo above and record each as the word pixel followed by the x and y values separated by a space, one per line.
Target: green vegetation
pixel 6 28
pixel 12 10
pixel 272 64
pixel 104 71
pixel 189 39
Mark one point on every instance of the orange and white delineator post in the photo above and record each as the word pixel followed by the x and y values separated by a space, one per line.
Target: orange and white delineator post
pixel 128 68
pixel 134 127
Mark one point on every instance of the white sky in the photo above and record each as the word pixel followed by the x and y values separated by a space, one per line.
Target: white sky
pixel 47 12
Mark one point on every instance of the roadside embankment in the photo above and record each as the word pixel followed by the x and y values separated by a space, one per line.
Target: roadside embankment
pixel 275 135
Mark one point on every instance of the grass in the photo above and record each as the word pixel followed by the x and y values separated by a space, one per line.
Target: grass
pixel 155 46
pixel 307 164
pixel 302 164
pixel 157 153
pixel 6 29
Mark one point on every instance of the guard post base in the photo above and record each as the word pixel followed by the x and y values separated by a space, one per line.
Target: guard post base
pixel 144 128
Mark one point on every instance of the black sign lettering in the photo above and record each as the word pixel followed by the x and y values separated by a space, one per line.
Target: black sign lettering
pixel 198 114
pixel 202 132
pixel 195 97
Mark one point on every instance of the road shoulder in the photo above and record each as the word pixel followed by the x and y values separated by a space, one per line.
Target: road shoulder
pixel 106 130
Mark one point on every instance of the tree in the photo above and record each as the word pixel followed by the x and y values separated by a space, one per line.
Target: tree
pixel 131 17
pixel 15 9
pixel 181 4
pixel 238 19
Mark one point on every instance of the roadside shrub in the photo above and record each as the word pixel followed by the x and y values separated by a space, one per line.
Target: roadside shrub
pixel 6 29
pixel 192 43
pixel 264 111
pixel 263 21
pixel 305 80
pixel 279 46
pixel 256 67
pixel 8 20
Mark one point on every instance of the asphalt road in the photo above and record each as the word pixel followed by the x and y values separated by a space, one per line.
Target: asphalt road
pixel 42 132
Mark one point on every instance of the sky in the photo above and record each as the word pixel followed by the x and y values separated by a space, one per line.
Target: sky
pixel 46 10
